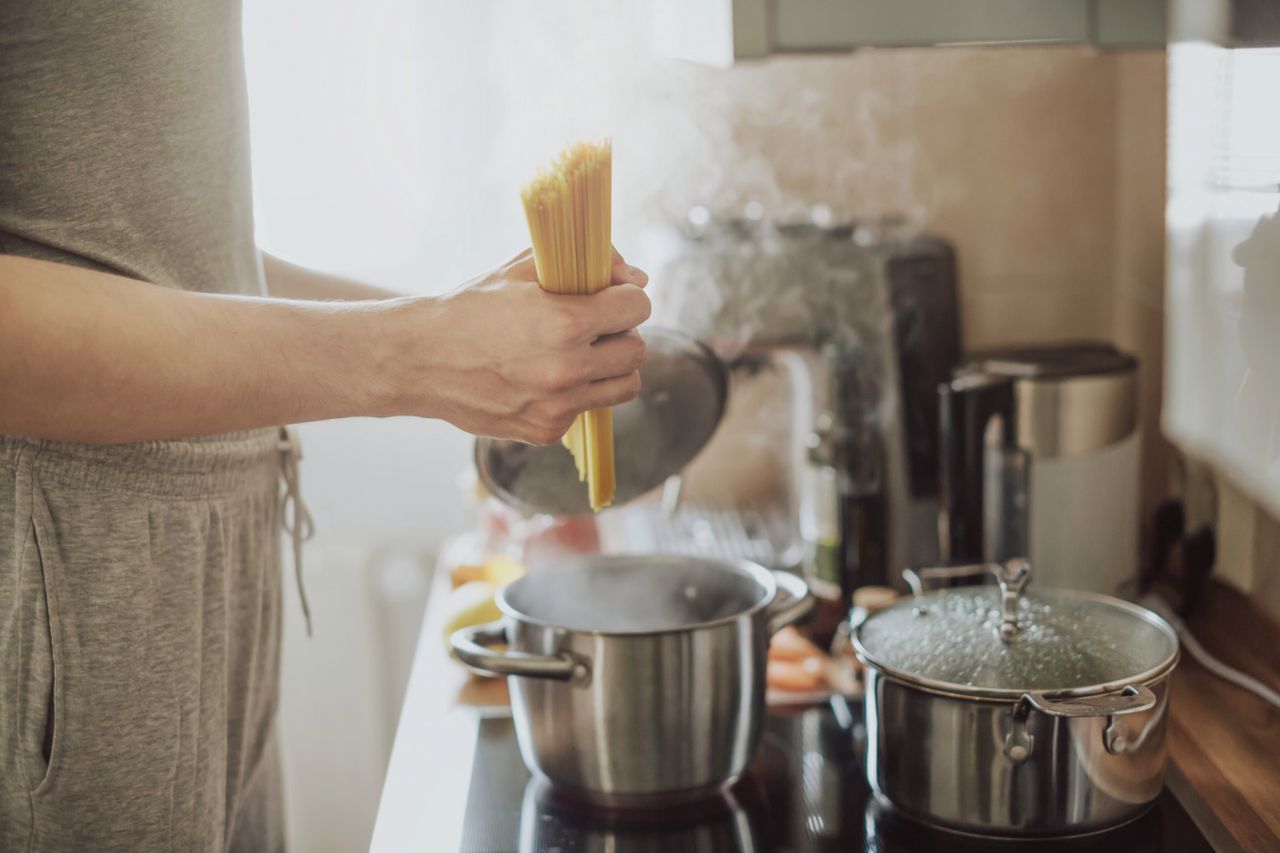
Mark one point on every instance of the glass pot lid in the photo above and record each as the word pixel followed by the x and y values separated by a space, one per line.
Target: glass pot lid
pixel 683 390
pixel 996 640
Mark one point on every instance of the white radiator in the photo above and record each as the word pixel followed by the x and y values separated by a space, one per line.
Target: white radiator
pixel 342 688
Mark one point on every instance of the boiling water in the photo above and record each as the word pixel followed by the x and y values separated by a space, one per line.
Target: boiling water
pixel 635 594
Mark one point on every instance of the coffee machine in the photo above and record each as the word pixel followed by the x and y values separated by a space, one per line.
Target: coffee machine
pixel 1041 456
pixel 837 336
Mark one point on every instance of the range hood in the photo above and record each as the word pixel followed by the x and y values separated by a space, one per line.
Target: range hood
pixel 722 32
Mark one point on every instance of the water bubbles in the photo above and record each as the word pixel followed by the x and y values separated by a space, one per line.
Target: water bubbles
pixel 1065 642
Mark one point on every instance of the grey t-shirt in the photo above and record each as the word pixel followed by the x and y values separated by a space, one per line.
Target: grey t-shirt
pixel 124 140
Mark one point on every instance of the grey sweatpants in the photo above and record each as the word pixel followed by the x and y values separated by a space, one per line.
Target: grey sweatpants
pixel 139 645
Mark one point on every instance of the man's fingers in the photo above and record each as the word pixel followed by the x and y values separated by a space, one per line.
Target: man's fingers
pixel 608 392
pixel 614 309
pixel 522 266
pixel 620 272
pixel 616 355
pixel 624 273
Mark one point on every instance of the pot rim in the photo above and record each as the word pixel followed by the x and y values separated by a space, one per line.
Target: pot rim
pixel 758 573
pixel 1008 694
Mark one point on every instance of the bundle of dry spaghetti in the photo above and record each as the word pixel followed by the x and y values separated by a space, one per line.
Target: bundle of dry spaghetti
pixel 568 211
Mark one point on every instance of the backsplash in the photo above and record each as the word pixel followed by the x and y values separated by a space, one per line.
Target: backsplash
pixel 1011 153
pixel 1053 190
pixel 1044 166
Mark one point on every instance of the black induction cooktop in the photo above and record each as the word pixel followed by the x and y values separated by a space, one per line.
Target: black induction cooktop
pixel 804 792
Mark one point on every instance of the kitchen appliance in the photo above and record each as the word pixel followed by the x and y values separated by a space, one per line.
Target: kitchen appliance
pixel 1016 713
pixel 839 335
pixel 637 677
pixel 1041 457
pixel 805 792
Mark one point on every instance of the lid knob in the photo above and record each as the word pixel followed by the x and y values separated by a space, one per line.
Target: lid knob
pixel 1012 576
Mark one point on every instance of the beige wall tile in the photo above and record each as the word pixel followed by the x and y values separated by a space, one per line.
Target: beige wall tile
pixel 1139 329
pixel 1141 98
pixel 1044 166
pixel 1010 152
pixel 1141 107
pixel 1035 314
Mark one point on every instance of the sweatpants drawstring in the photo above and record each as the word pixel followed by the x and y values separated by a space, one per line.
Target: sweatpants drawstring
pixel 294 515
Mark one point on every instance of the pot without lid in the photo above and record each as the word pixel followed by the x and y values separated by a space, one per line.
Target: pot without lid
pixel 976 737
pixel 637 677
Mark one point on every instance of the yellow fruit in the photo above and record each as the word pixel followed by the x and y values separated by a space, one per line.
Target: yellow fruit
pixel 470 604
pixel 466 573
pixel 501 571
pixel 497 570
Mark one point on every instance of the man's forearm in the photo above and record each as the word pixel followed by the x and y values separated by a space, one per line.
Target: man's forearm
pixel 290 281
pixel 88 356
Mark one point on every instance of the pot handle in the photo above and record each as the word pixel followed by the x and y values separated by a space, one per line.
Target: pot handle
pixel 917 579
pixel 472 647
pixel 1133 699
pixel 791 603
pixel 1012 576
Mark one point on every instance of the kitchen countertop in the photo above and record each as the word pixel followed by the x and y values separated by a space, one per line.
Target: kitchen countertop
pixel 1224 743
pixel 425 791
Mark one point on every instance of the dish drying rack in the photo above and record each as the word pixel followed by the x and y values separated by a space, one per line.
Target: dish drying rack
pixel 761 532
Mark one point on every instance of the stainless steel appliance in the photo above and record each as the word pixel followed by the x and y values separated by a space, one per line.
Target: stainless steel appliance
pixel 1041 458
pixel 836 337
pixel 636 677
pixel 1007 712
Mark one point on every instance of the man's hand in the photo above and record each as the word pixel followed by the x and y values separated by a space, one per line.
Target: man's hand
pixel 502 357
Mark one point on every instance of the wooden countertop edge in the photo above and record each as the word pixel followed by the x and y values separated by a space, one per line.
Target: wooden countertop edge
pixel 424 793
pixel 1224 742
pixel 1202 814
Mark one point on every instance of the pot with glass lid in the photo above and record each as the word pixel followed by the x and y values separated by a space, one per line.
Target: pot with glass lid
pixel 1001 711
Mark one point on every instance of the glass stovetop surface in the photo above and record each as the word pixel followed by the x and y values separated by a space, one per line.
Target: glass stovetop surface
pixel 805 791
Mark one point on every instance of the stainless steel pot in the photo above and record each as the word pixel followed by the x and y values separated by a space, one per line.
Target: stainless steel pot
pixel 635 677
pixel 1002 713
